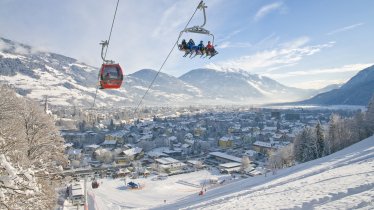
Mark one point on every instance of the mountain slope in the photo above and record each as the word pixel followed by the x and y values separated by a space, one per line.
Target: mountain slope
pixel 241 86
pixel 357 91
pixel 68 82
pixel 343 180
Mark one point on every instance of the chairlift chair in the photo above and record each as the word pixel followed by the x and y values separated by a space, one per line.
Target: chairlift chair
pixel 199 29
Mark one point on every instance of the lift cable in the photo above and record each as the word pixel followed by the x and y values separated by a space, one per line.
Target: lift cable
pixel 106 43
pixel 166 59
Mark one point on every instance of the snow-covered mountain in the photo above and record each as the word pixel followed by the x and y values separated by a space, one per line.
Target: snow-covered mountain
pixel 36 74
pixel 242 86
pixel 67 81
pixel 357 91
pixel 343 180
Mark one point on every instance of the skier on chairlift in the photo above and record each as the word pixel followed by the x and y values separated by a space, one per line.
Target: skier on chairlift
pixel 184 45
pixel 191 44
pixel 200 47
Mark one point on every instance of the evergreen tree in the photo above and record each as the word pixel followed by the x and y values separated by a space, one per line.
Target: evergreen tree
pixel 320 140
pixel 304 146
pixel 369 117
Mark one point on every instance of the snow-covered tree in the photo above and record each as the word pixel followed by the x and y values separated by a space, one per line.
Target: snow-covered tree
pixel 199 164
pixel 335 132
pixel 287 155
pixel 275 161
pixel 305 145
pixel 31 150
pixel 245 163
pixel 104 155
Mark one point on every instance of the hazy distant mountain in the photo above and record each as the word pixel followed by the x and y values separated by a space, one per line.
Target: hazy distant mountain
pixel 67 81
pixel 329 88
pixel 242 86
pixel 357 91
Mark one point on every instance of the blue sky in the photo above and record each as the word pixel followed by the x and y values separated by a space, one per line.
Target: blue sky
pixel 306 44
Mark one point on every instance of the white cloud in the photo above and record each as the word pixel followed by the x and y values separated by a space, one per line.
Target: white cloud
pixel 166 26
pixel 346 28
pixel 318 84
pixel 229 36
pixel 225 45
pixel 286 54
pixel 267 9
pixel 343 69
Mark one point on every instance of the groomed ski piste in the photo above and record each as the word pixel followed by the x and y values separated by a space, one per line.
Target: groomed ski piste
pixel 343 180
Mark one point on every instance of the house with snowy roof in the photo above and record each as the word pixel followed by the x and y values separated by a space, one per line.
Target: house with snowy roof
pixel 263 147
pixel 90 149
pixel 133 153
pixel 118 135
pixel 220 157
pixel 168 163
pixel 109 144
pixel 225 142
pixel 229 167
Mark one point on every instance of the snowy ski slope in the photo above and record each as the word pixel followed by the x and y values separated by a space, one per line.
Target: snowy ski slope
pixel 343 180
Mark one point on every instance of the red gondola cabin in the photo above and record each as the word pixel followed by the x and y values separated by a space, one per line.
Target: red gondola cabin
pixel 111 76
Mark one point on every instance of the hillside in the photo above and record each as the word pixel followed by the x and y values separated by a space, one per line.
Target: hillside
pixel 343 180
pixel 357 91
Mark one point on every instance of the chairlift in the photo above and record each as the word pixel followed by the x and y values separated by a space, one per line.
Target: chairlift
pixel 198 30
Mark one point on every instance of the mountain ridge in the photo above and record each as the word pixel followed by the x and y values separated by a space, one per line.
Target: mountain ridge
pixel 357 91
pixel 67 81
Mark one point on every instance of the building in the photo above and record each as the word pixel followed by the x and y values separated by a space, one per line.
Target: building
pixel 169 163
pixel 251 154
pixel 225 142
pixel 199 131
pixel 230 167
pixel 133 153
pixel 119 136
pixel 90 149
pixel 263 147
pixel 109 144
pixel 220 157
